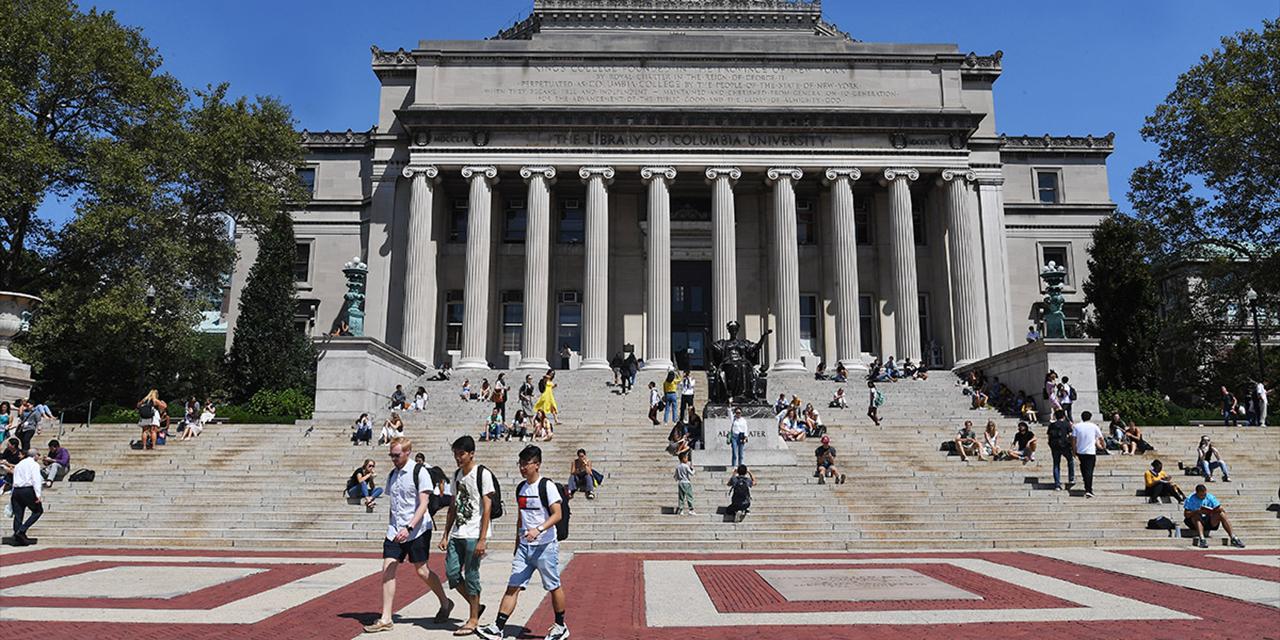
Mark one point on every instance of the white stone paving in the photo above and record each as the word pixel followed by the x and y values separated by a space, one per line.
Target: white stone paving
pixel 1231 586
pixel 1264 561
pixel 130 582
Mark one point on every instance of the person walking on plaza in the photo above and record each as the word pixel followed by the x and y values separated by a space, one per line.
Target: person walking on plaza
pixel 1086 437
pixel 1059 434
pixel 408 533
pixel 27 485
pixel 1202 512
pixel 737 439
pixel 686 393
pixel 684 484
pixel 547 401
pixel 875 398
pixel 467 528
pixel 670 403
pixel 537 547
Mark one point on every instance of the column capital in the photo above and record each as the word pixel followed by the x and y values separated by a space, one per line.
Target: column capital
pixel 894 173
pixel 488 172
pixel 586 173
pixel 840 173
pixel 428 170
pixel 732 173
pixel 777 173
pixel 649 173
pixel 952 174
pixel 545 171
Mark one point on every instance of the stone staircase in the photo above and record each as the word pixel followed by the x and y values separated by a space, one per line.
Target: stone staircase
pixel 270 486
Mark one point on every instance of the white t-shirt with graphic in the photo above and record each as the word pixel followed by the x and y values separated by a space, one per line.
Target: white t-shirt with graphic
pixel 468 507
pixel 532 515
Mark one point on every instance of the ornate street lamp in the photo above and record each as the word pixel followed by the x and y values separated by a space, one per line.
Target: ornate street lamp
pixel 1252 297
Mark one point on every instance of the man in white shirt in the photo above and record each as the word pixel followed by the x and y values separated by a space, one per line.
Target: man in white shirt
pixel 27 483
pixel 1260 390
pixel 408 532
pixel 1086 439
pixel 467 527
pixel 537 547
pixel 737 439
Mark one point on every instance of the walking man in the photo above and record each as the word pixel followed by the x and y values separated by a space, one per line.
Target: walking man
pixel 1069 393
pixel 27 484
pixel 537 547
pixel 1086 437
pixel 467 527
pixel 1060 446
pixel 737 439
pixel 408 533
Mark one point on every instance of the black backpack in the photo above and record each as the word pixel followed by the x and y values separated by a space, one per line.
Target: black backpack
pixel 740 492
pixel 1072 394
pixel 495 503
pixel 434 502
pixel 562 527
pixel 1162 523
pixel 82 475
pixel 147 411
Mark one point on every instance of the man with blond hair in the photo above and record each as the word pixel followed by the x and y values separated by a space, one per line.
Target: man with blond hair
pixel 408 532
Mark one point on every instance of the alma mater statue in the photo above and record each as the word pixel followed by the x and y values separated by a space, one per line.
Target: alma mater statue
pixel 733 376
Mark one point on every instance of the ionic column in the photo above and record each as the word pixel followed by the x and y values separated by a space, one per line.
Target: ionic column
pixel 475 322
pixel 905 296
pixel 845 246
pixel 537 272
pixel 657 343
pixel 965 253
pixel 418 332
pixel 724 258
pixel 595 303
pixel 786 303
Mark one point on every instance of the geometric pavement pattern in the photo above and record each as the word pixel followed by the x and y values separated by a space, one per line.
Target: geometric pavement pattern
pixel 1046 593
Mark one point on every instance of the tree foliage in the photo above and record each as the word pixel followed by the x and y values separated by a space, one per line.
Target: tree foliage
pixel 1124 295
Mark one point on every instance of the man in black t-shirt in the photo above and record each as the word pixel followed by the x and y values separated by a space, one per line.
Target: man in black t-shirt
pixel 11 456
pixel 826 463
pixel 1024 443
pixel 740 493
pixel 1060 445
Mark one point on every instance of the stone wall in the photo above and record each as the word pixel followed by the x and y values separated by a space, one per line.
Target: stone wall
pixel 1023 369
pixel 358 374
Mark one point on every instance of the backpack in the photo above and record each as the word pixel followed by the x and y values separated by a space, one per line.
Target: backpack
pixel 1162 523
pixel 1072 394
pixel 1058 439
pixel 499 395
pixel 495 503
pixel 948 446
pixel 879 401
pixel 434 502
pixel 740 492
pixel 147 411
pixel 82 475
pixel 562 527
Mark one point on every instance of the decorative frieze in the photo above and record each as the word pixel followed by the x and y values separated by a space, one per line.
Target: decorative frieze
pixel 1047 142
pixel 329 139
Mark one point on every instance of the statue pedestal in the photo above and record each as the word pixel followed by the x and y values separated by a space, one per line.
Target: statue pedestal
pixel 15 375
pixel 765 448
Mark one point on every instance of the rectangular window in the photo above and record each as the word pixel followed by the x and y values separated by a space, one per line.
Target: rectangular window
pixel 866 323
pixel 514 222
pixel 809 322
pixel 926 336
pixel 570 321
pixel 302 262
pixel 862 219
pixel 307 178
pixel 454 310
pixel 1047 186
pixel 918 227
pixel 1058 256
pixel 512 320
pixel 458 222
pixel 806 222
pixel 573 223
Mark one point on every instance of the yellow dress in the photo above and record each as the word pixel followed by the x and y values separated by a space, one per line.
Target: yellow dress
pixel 547 401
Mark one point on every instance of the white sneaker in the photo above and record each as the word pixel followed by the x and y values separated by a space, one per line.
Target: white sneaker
pixel 692 512
pixel 557 632
pixel 490 631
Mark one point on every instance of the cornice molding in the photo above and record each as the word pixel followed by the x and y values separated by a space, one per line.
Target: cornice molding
pixel 799 16
pixel 1046 142
pixel 336 139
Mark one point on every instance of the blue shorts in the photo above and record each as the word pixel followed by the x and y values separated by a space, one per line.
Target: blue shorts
pixel 543 557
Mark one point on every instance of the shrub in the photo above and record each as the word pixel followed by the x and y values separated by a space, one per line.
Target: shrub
pixel 288 402
pixel 1143 407
pixel 114 414
pixel 238 414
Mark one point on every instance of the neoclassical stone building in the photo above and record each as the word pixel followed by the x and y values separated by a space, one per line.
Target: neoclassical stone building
pixel 635 173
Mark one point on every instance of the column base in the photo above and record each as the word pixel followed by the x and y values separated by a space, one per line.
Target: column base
pixel 472 363
pixel 530 364
pixel 657 364
pixel 792 364
pixel 594 364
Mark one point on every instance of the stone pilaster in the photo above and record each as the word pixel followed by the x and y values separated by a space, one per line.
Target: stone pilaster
pixel 964 242
pixel 537 263
pixel 786 268
pixel 845 252
pixel 904 295
pixel 595 303
pixel 475 323
pixel 724 257
pixel 657 343
pixel 418 334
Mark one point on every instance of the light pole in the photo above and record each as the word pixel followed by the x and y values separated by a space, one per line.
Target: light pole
pixel 1252 297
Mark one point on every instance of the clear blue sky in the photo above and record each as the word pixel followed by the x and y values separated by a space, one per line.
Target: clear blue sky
pixel 1086 66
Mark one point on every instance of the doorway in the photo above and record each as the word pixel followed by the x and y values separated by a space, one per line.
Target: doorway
pixel 690 312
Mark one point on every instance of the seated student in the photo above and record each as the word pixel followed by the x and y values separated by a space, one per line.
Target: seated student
pixel 842 374
pixel 398 400
pixel 838 400
pixel 420 399
pixel 978 399
pixel 362 430
pixel 391 429
pixel 693 424
pixel 1140 445
pixel 908 368
pixel 740 493
pixel 542 427
pixel 582 476
pixel 1024 444
pixel 493 427
pixel 1115 437
pixel 821 372
pixel 826 463
pixel 891 369
pixel 1159 484
pixel 519 426
pixel 922 371
pixel 678 439
pixel 780 406
pixel 812 421
pixel 1029 411
pixel 1202 512
pixel 789 427
pixel 465 392
pixel 190 413
pixel 1208 459
pixel 361 485
pixel 443 373
pixel 967 442
pixel 486 390
pixel 991 441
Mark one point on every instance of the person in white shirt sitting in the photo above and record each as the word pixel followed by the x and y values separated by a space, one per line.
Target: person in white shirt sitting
pixel 838 400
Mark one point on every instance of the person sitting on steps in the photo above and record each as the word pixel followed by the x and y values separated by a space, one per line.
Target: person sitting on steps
pixel 826 463
pixel 838 400
pixel 967 442
pixel 582 476
pixel 1203 512
pixel 361 485
pixel 362 430
pixel 1159 484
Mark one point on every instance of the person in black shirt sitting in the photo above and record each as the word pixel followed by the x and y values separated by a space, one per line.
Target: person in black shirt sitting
pixel 826 463
pixel 1024 444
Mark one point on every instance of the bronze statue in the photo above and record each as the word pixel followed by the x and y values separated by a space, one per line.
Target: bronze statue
pixel 733 377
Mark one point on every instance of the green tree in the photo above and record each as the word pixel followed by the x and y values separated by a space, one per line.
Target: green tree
pixel 1123 293
pixel 268 352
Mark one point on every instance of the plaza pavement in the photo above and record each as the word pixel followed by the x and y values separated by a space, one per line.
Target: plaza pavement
pixel 1084 593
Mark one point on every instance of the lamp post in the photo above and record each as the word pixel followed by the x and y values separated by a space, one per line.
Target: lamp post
pixel 1252 297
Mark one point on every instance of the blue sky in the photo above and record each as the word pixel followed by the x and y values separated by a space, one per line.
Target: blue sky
pixel 1086 66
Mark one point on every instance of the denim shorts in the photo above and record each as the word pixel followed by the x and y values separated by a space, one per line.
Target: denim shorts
pixel 543 557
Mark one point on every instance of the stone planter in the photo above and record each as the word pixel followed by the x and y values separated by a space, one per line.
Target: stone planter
pixel 15 313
